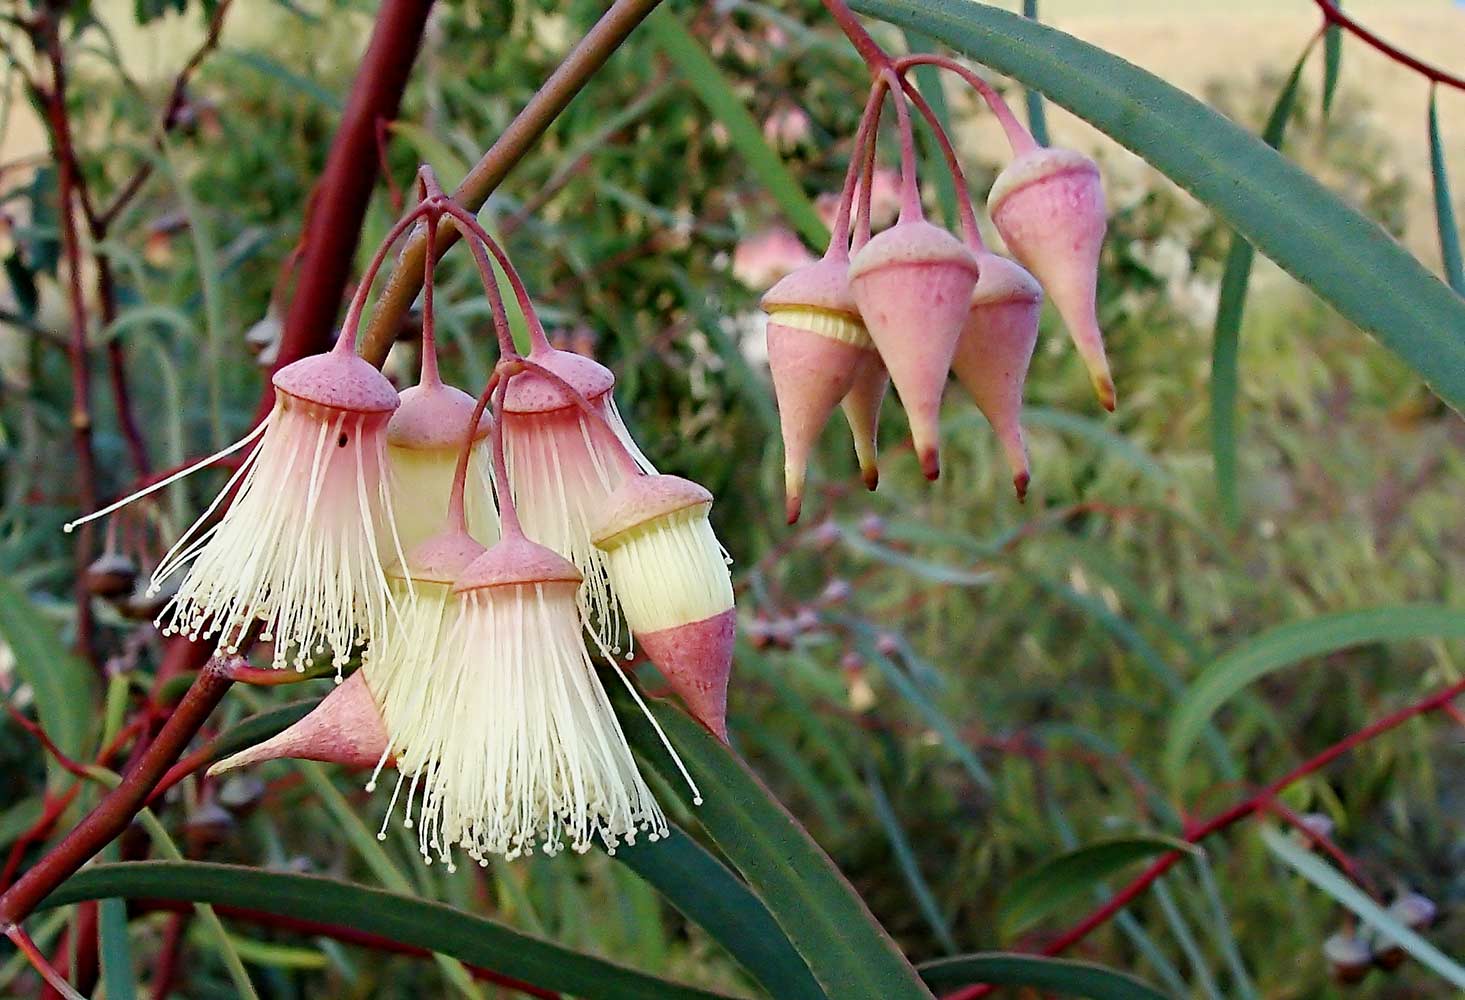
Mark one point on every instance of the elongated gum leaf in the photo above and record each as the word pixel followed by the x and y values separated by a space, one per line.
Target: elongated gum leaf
pixel 1062 976
pixel 1288 215
pixel 1444 206
pixel 846 949
pixel 405 920
pixel 1292 643
pixel 1225 345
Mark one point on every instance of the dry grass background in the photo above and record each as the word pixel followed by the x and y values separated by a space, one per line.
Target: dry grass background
pixel 1190 44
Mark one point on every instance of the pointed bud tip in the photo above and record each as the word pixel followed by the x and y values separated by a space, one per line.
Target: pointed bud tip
pixel 871 475
pixel 1104 388
pixel 792 507
pixel 1020 484
pixel 931 463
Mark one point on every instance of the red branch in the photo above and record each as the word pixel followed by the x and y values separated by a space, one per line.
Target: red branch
pixel 1333 15
pixel 1257 802
pixel 333 226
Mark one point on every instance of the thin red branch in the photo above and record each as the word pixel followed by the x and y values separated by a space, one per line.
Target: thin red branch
pixel 1257 802
pixel 35 729
pixel 116 810
pixel 1333 15
pixel 165 969
pixel 68 179
pixel 875 57
pixel 177 98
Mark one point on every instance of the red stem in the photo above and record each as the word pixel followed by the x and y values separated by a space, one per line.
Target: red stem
pixel 864 135
pixel 1018 137
pixel 1333 15
pixel 116 810
pixel 875 57
pixel 68 180
pixel 165 972
pixel 910 189
pixel 1257 802
pixel 953 165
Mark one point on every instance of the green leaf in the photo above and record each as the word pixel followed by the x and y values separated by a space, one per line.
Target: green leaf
pixel 1332 63
pixel 1226 340
pixel 64 688
pixel 403 919
pixel 707 893
pixel 1064 976
pixel 1331 881
pixel 1292 643
pixel 713 90
pixel 1444 207
pixel 1037 120
pixel 1060 880
pixel 905 858
pixel 119 979
pixel 262 63
pixel 1345 258
pixel 847 950
pixel 430 148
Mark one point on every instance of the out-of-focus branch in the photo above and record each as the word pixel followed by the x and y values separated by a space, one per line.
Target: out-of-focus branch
pixel 333 226
pixel 1332 14
pixel 553 97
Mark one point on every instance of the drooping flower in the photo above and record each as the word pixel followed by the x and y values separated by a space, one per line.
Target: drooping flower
pixel 302 546
pixel 300 550
pixel 670 574
pixel 423 438
pixel 995 349
pixel 563 465
pixel 1048 204
pixel 528 752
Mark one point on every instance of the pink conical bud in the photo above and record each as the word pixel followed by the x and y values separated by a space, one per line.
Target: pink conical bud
pixel 913 284
pixel 861 407
pixel 994 351
pixel 1048 205
pixel 345 728
pixel 670 575
pixel 817 345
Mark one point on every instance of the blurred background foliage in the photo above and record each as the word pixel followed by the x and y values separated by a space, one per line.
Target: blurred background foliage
pixel 945 686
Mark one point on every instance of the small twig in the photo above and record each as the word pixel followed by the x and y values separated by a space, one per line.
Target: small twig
pixel 543 108
pixel 38 961
pixel 1333 15
pixel 102 220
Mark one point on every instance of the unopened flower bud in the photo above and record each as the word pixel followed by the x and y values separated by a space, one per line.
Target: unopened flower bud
pixel 825 536
pixel 1415 912
pixel 1048 204
pixel 111 575
pixel 668 571
pixel 913 284
pixel 995 349
pixel 861 408
pixel 836 591
pixel 1349 957
pixel 817 346
pixel 345 728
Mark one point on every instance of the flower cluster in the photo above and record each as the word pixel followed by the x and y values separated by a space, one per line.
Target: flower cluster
pixel 913 302
pixel 478 556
